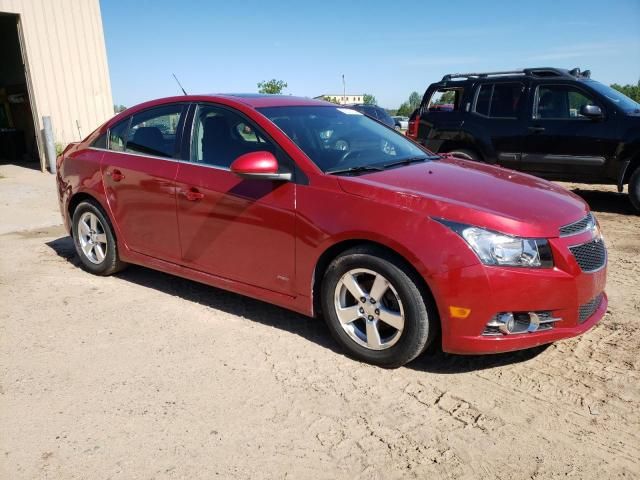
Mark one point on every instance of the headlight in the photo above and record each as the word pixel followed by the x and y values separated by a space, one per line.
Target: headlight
pixel 493 248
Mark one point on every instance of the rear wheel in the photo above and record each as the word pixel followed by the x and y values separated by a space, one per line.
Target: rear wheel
pixel 466 154
pixel 374 308
pixel 94 240
pixel 634 189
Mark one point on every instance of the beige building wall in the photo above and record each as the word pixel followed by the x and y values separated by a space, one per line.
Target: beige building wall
pixel 66 64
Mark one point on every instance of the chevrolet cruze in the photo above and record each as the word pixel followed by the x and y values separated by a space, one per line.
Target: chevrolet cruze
pixel 325 211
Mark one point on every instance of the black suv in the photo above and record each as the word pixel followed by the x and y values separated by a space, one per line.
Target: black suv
pixel 554 123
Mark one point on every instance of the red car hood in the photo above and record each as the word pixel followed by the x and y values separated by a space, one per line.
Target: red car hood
pixel 474 193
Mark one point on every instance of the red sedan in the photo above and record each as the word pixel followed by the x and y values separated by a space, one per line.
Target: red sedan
pixel 322 210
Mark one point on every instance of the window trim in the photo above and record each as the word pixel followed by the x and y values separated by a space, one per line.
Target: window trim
pixel 493 86
pixel 536 99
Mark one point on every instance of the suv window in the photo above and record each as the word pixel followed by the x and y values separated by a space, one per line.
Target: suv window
pixel 560 102
pixel 499 100
pixel 153 132
pixel 219 136
pixel 445 100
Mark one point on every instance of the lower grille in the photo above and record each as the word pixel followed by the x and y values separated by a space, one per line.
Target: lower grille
pixel 589 308
pixel 590 256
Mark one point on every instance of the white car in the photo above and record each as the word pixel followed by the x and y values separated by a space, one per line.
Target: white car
pixel 401 122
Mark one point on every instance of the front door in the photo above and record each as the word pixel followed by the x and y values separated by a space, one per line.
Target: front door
pixel 234 228
pixel 139 171
pixel 561 142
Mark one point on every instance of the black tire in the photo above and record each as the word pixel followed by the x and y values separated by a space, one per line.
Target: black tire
pixel 92 261
pixel 420 315
pixel 465 154
pixel 634 189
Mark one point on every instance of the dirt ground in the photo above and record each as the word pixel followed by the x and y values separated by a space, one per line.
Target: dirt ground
pixel 143 375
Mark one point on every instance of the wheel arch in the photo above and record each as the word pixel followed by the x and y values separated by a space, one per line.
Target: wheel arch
pixel 340 247
pixel 451 145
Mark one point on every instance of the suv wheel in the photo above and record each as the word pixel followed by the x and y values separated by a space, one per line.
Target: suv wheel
pixel 374 308
pixel 94 240
pixel 466 154
pixel 634 189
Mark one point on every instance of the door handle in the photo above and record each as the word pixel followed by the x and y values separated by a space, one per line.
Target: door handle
pixel 193 194
pixel 536 129
pixel 115 174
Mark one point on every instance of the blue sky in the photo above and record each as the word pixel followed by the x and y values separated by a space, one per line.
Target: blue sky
pixel 385 48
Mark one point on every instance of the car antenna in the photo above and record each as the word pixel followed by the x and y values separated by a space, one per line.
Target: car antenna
pixel 179 84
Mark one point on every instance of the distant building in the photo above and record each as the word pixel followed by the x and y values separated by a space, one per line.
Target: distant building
pixel 53 62
pixel 342 99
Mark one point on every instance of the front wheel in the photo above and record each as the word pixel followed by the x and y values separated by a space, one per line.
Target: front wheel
pixel 94 240
pixel 374 308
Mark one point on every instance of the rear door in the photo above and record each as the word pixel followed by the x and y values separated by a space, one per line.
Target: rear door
pixel 561 142
pixel 139 170
pixel 235 228
pixel 498 118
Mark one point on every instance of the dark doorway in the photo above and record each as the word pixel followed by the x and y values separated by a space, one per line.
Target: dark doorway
pixel 18 143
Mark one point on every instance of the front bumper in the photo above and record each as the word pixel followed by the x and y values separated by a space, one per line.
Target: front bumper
pixel 488 290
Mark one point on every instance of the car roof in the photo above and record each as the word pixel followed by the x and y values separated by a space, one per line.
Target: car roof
pixel 257 100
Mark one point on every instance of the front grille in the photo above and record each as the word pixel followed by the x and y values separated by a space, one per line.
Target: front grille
pixel 577 227
pixel 590 256
pixel 586 310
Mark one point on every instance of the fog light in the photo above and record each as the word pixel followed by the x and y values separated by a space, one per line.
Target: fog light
pixel 508 323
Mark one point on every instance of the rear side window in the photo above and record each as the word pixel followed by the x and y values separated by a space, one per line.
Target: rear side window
pixel 445 100
pixel 499 100
pixel 154 131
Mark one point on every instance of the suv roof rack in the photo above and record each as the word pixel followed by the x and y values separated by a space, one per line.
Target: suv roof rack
pixel 529 72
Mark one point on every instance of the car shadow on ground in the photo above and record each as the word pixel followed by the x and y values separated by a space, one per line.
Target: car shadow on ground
pixel 609 202
pixel 312 329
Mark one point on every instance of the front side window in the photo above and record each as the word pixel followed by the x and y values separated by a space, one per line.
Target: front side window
pixel 336 138
pixel 154 131
pixel 219 136
pixel 560 102
pixel 118 136
pixel 499 100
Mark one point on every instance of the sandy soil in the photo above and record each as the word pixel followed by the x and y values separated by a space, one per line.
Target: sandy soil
pixel 143 375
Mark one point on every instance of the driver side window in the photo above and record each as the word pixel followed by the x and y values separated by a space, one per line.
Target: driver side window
pixel 219 136
pixel 560 102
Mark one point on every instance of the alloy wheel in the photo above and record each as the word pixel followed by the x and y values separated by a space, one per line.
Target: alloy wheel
pixel 369 309
pixel 92 237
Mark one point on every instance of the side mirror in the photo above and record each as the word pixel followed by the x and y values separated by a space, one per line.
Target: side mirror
pixel 258 165
pixel 591 111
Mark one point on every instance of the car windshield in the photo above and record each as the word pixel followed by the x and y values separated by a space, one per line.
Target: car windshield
pixel 342 140
pixel 620 99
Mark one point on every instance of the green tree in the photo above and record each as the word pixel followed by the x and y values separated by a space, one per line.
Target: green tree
pixel 272 86
pixel 119 108
pixel 631 91
pixel 369 99
pixel 414 100
pixel 405 110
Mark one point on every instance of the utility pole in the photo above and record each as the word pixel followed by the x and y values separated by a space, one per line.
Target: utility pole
pixel 344 91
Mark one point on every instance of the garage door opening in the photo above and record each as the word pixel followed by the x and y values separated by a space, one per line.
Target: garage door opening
pixel 18 140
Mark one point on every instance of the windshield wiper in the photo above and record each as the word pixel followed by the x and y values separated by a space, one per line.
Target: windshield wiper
pixel 407 161
pixel 358 169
